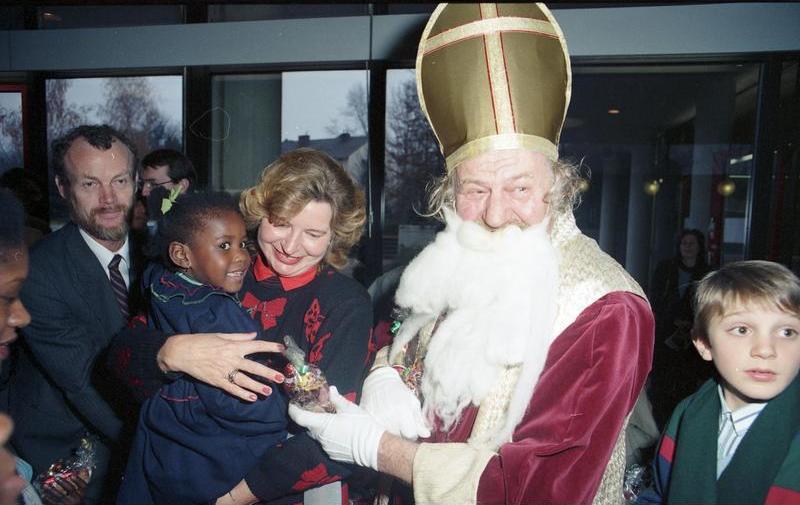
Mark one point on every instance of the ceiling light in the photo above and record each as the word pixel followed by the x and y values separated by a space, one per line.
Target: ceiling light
pixel 746 157
pixel 613 111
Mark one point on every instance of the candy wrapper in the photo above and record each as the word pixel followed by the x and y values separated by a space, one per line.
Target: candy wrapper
pixel 64 483
pixel 637 479
pixel 305 383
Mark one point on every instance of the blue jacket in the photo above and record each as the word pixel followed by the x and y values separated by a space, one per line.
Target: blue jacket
pixel 196 442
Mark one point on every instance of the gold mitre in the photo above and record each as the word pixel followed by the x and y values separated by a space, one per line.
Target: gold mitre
pixel 493 76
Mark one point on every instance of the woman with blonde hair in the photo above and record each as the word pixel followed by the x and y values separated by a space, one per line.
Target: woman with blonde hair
pixel 306 213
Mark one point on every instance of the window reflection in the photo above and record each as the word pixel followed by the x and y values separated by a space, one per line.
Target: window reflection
pixel 413 159
pixel 256 117
pixel 11 133
pixel 668 147
pixel 784 241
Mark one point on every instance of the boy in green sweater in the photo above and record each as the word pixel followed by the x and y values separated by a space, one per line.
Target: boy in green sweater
pixel 737 439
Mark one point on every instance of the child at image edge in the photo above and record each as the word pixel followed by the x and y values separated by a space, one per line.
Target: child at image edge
pixel 195 442
pixel 737 439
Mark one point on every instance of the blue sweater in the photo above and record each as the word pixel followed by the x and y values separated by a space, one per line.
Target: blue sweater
pixel 195 442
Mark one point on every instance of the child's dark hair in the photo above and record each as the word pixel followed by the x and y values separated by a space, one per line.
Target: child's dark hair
pixel 12 224
pixel 186 217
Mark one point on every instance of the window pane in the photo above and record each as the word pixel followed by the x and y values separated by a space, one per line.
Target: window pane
pixel 412 161
pixel 328 111
pixel 148 110
pixel 245 125
pixel 669 148
pixel 11 134
pixel 785 209
pixel 257 117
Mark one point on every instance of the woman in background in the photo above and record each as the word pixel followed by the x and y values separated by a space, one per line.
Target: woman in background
pixel 677 369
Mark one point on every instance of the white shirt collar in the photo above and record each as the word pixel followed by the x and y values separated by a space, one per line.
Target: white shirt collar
pixel 104 256
pixel 742 417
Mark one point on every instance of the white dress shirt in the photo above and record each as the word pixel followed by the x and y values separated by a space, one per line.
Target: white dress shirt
pixel 733 426
pixel 104 256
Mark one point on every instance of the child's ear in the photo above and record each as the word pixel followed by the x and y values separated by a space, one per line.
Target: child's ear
pixel 180 255
pixel 702 346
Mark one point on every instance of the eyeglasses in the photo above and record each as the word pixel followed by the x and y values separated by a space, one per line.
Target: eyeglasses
pixel 151 184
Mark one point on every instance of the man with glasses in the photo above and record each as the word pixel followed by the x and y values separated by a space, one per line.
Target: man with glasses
pixel 166 168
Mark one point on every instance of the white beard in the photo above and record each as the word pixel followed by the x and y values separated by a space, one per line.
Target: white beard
pixel 498 290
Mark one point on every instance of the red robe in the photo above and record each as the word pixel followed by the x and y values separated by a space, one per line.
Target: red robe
pixel 594 372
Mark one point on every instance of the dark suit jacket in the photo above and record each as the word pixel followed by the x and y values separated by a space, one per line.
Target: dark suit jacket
pixel 56 392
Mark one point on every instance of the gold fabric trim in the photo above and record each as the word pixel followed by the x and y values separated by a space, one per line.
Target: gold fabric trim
pixel 501 141
pixel 492 412
pixel 486 27
pixel 488 10
pixel 586 272
pixel 568 90
pixel 418 66
pixel 498 79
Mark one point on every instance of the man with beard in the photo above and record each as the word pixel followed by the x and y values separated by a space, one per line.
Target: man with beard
pixel 522 347
pixel 77 294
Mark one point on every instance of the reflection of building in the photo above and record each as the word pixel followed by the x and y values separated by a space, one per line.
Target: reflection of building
pixel 351 151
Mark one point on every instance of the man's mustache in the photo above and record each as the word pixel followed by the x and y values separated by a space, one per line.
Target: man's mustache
pixel 108 208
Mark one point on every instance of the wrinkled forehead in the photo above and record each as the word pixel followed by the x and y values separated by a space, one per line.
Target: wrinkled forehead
pixel 506 163
pixel 82 155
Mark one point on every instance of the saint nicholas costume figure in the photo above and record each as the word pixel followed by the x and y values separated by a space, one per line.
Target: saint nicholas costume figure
pixel 521 346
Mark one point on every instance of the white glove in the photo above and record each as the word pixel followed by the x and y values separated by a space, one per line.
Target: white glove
pixel 393 404
pixel 350 435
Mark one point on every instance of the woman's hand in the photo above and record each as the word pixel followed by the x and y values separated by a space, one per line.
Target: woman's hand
pixel 214 358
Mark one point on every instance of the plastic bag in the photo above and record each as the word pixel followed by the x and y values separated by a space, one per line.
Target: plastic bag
pixel 637 479
pixel 305 383
pixel 65 482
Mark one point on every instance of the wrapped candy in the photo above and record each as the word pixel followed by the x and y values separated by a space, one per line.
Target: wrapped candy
pixel 64 483
pixel 637 479
pixel 305 383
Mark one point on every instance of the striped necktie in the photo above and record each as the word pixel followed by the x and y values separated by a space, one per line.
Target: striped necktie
pixel 118 286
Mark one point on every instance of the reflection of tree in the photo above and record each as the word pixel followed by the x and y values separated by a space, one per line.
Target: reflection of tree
pixel 412 156
pixel 62 116
pixel 355 111
pixel 131 108
pixel 10 139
